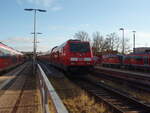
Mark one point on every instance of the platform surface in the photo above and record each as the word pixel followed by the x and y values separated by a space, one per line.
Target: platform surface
pixel 22 96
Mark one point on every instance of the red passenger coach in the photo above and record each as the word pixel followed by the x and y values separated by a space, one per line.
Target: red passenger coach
pixel 130 61
pixel 112 60
pixel 9 57
pixel 72 55
pixel 138 61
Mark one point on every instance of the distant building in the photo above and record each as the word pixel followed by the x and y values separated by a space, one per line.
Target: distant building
pixel 142 50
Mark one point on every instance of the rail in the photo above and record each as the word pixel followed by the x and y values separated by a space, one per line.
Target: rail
pixel 48 92
pixel 134 81
pixel 119 101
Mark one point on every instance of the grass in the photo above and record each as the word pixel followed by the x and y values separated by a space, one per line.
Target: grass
pixel 84 104
pixel 75 99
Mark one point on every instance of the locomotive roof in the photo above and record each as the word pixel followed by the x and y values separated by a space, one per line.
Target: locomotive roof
pixel 70 40
pixel 2 45
pixel 76 40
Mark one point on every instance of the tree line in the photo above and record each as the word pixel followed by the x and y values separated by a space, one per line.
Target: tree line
pixel 110 43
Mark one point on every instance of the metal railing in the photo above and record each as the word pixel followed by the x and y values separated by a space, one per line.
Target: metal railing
pixel 48 92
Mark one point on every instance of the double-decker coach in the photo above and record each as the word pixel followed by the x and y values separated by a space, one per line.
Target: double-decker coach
pixel 137 61
pixel 72 55
pixel 9 57
pixel 112 60
pixel 130 61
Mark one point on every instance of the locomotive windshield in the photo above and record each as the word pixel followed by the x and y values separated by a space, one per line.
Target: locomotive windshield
pixel 79 47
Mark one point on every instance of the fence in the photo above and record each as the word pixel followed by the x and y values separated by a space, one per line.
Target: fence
pixel 48 92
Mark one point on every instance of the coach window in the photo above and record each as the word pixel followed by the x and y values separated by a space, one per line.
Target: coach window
pixel 1 53
pixel 63 49
pixel 138 58
pixel 128 58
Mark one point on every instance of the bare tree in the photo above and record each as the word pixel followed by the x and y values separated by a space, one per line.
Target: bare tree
pixel 82 35
pixel 99 43
pixel 113 42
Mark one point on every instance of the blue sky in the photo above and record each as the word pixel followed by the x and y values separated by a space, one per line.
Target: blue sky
pixel 65 17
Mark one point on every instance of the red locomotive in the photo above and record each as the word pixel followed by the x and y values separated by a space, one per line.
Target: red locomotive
pixel 71 55
pixel 9 57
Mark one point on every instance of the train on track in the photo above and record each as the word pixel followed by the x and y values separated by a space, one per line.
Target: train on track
pixel 73 55
pixel 76 55
pixel 130 61
pixel 9 57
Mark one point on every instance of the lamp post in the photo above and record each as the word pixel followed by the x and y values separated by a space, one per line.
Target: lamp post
pixel 34 41
pixel 122 29
pixel 134 41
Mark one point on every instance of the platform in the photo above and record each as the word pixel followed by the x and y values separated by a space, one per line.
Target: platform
pixel 22 96
pixel 123 71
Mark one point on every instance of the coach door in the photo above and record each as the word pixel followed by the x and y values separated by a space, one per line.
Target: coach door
pixel 146 61
pixel 148 57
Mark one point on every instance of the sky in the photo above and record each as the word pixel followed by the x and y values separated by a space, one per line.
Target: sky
pixel 66 17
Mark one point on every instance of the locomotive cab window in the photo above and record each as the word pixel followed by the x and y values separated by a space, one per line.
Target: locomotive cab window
pixel 79 47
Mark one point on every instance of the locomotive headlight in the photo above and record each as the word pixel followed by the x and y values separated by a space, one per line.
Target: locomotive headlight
pixel 73 59
pixel 87 59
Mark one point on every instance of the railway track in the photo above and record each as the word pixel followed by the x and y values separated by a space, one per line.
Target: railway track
pixel 134 81
pixel 119 101
pixel 125 73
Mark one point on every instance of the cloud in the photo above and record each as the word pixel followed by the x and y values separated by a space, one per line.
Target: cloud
pixel 45 3
pixel 141 38
pixel 19 2
pixel 51 4
pixel 20 43
pixel 43 48
pixel 18 40
pixel 75 27
pixel 26 43
pixel 143 35
pixel 25 48
pixel 56 8
pixel 29 48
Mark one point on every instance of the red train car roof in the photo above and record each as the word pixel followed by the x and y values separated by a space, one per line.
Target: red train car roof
pixel 2 45
pixel 76 40
pixel 140 54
